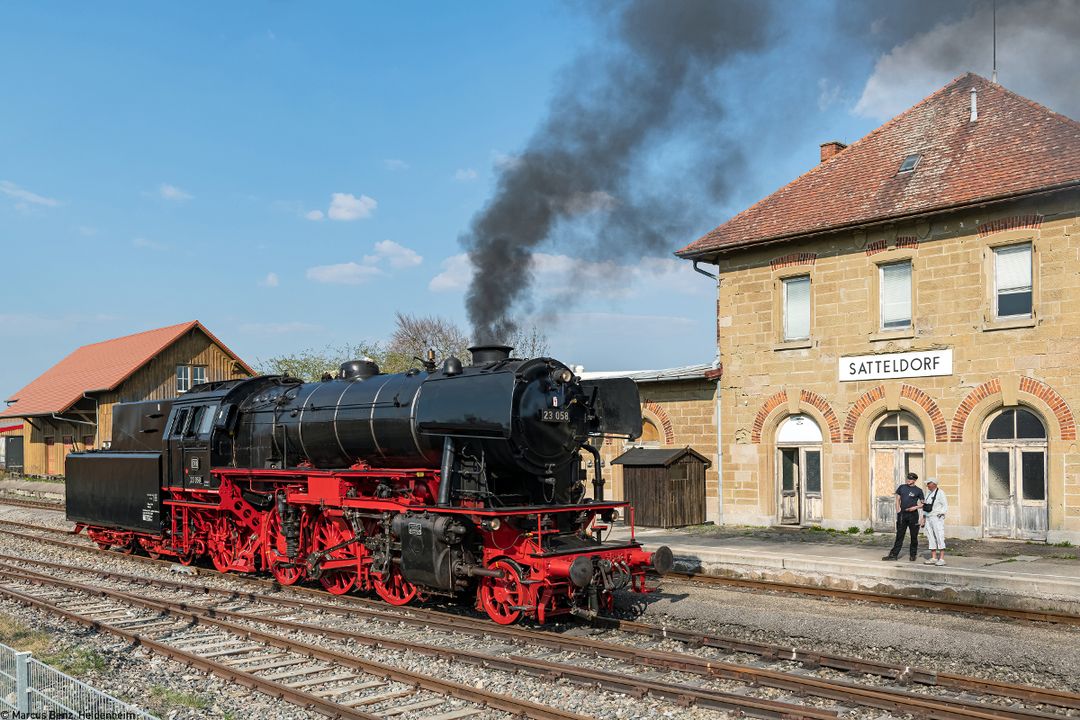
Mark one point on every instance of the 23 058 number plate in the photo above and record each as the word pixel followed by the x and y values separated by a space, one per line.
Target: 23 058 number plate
pixel 555 416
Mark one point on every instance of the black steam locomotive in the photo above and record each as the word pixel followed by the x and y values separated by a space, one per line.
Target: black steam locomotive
pixel 448 480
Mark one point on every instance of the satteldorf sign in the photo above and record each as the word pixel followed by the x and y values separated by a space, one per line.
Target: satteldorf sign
pixel 896 365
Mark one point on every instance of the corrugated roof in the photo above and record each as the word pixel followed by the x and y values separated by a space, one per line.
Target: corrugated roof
pixel 686 372
pixel 1015 147
pixel 98 367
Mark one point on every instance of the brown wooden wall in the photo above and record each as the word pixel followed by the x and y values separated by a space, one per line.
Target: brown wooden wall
pixel 154 381
pixel 667 496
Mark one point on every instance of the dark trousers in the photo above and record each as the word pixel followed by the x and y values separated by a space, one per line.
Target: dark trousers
pixel 906 521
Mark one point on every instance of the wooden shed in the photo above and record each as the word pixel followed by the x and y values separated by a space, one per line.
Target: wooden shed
pixel 665 486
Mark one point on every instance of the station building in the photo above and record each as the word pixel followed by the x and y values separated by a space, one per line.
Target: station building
pixel 69 406
pixel 908 305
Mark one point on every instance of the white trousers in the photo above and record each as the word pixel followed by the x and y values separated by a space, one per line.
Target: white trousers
pixel 935 532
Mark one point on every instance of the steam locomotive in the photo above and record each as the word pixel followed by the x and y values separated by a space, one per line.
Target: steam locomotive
pixel 453 480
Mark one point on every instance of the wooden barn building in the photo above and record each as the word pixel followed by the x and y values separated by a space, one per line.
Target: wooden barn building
pixel 69 406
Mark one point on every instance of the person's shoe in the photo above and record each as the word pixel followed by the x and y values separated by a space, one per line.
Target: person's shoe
pixel 940 562
pixel 889 557
pixel 913 558
pixel 931 561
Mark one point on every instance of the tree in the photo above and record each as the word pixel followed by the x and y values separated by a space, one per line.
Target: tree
pixel 415 334
pixel 310 365
pixel 529 342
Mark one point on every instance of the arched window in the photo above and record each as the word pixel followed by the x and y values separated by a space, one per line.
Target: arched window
pixel 798 466
pixel 896 448
pixel 650 434
pixel 1014 450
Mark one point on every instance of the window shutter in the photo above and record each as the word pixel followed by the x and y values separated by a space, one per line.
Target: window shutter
pixel 797 308
pixel 1014 268
pixel 896 295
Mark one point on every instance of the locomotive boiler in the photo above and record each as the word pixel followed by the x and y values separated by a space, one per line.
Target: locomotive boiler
pixel 448 480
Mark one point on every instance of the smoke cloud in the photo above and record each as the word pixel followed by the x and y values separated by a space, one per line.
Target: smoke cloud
pixel 927 44
pixel 584 176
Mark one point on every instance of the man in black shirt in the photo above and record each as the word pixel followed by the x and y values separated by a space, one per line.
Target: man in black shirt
pixel 909 498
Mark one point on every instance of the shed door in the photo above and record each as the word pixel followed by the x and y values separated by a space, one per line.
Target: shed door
pixel 14 453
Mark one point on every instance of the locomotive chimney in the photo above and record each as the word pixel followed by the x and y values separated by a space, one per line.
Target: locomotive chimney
pixel 484 354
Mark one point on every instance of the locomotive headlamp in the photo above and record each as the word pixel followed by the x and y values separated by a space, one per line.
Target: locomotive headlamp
pixel 563 376
pixel 491 525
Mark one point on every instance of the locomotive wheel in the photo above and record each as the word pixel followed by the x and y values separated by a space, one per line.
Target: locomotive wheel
pixel 503 597
pixel 394 588
pixel 276 551
pixel 328 532
pixel 225 543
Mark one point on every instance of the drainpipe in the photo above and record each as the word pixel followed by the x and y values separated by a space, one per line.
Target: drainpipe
pixel 719 433
pixel 97 420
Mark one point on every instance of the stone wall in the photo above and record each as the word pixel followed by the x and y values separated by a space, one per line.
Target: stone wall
pixel 1030 363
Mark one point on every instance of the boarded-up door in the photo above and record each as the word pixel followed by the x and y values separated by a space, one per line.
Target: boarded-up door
pixel 14 454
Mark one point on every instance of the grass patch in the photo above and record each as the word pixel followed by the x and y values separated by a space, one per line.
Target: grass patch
pixel 1063 543
pixel 167 697
pixel 868 531
pixel 816 528
pixel 73 661
pixel 853 530
pixel 1068 556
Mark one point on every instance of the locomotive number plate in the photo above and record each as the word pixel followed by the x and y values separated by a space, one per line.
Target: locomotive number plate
pixel 555 416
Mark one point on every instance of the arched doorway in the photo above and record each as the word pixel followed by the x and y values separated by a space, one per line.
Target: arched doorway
pixel 1014 475
pixel 798 463
pixel 896 448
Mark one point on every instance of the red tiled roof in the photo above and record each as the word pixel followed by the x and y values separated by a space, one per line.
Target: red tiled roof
pixel 1015 147
pixel 98 367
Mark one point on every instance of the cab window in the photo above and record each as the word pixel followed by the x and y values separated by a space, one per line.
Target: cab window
pixel 180 422
pixel 208 420
pixel 195 420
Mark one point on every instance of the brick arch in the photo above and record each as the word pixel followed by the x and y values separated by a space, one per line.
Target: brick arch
pixel 823 406
pixel 665 420
pixel 773 402
pixel 865 400
pixel 980 393
pixel 920 398
pixel 1060 408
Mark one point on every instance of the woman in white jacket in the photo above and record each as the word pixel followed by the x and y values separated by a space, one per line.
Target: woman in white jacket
pixel 934 508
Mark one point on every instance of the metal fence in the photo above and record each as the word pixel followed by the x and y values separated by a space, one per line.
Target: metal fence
pixel 33 689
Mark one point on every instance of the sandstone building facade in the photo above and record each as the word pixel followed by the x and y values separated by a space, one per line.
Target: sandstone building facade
pixel 908 305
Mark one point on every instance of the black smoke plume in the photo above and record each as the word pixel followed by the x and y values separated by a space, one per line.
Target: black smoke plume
pixel 586 166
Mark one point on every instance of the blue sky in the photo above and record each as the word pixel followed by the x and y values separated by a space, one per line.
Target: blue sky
pixel 291 174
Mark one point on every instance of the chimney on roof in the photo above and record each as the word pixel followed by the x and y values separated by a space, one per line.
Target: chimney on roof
pixel 974 106
pixel 831 149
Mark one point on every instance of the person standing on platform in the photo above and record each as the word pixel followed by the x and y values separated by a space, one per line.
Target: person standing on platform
pixel 933 510
pixel 909 498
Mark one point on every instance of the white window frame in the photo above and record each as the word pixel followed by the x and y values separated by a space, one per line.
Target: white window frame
pixel 1031 280
pixel 784 282
pixel 881 296
pixel 204 378
pixel 183 379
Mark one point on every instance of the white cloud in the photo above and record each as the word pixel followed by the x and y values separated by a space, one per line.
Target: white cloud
pixel 346 206
pixel 271 280
pixel 1037 57
pixel 25 196
pixel 143 243
pixel 171 192
pixel 315 215
pixel 504 161
pixel 395 164
pixel 457 271
pixel 354 273
pixel 349 273
pixel 397 255
pixel 828 93
pixel 465 175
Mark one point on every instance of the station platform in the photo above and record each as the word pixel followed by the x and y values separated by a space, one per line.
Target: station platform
pixel 995 573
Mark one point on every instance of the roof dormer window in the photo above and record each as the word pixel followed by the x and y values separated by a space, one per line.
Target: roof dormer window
pixel 909 163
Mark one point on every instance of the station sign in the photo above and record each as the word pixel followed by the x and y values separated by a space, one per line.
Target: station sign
pixel 925 363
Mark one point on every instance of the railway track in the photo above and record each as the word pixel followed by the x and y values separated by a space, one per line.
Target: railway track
pixel 33 504
pixel 881 598
pixel 948 706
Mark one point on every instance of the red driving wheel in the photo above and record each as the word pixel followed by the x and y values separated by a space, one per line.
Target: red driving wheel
pixel 503 597
pixel 223 544
pixel 394 588
pixel 276 550
pixel 329 532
